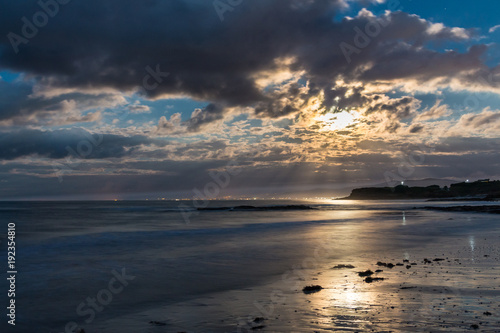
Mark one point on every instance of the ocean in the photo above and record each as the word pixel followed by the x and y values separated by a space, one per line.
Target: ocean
pixel 237 266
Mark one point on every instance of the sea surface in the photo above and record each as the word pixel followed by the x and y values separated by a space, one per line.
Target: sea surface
pixel 144 264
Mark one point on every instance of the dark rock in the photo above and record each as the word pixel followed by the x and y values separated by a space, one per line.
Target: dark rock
pixel 258 327
pixel 487 313
pixel 389 265
pixel 438 259
pixel 259 319
pixel 474 326
pixel 311 289
pixel 365 273
pixel 343 266
pixel 408 266
pixel 370 279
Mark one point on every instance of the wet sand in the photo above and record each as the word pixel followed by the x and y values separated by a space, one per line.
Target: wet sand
pixel 457 294
pixel 439 284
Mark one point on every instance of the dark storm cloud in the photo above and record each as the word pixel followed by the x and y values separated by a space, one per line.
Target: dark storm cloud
pixel 14 100
pixel 68 143
pixel 113 43
pixel 399 50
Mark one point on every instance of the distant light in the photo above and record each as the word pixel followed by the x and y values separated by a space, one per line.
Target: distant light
pixel 402 183
pixel 467 181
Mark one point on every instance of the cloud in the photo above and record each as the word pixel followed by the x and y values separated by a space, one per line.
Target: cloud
pixel 223 62
pixel 495 28
pixel 136 107
pixel 437 111
pixel 75 143
pixel 416 128
pixel 486 119
pixel 201 117
pixel 21 104
pixel 398 108
pixel 170 127
pixel 266 75
pixel 462 145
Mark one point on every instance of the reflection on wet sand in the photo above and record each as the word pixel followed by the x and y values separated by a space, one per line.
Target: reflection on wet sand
pixel 452 293
pixel 448 286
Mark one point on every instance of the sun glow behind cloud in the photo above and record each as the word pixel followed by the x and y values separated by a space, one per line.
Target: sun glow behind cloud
pixel 337 121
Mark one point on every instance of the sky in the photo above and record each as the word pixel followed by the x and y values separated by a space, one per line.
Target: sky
pixel 197 98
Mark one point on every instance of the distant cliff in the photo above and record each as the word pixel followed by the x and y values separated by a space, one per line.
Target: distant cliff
pixel 480 189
